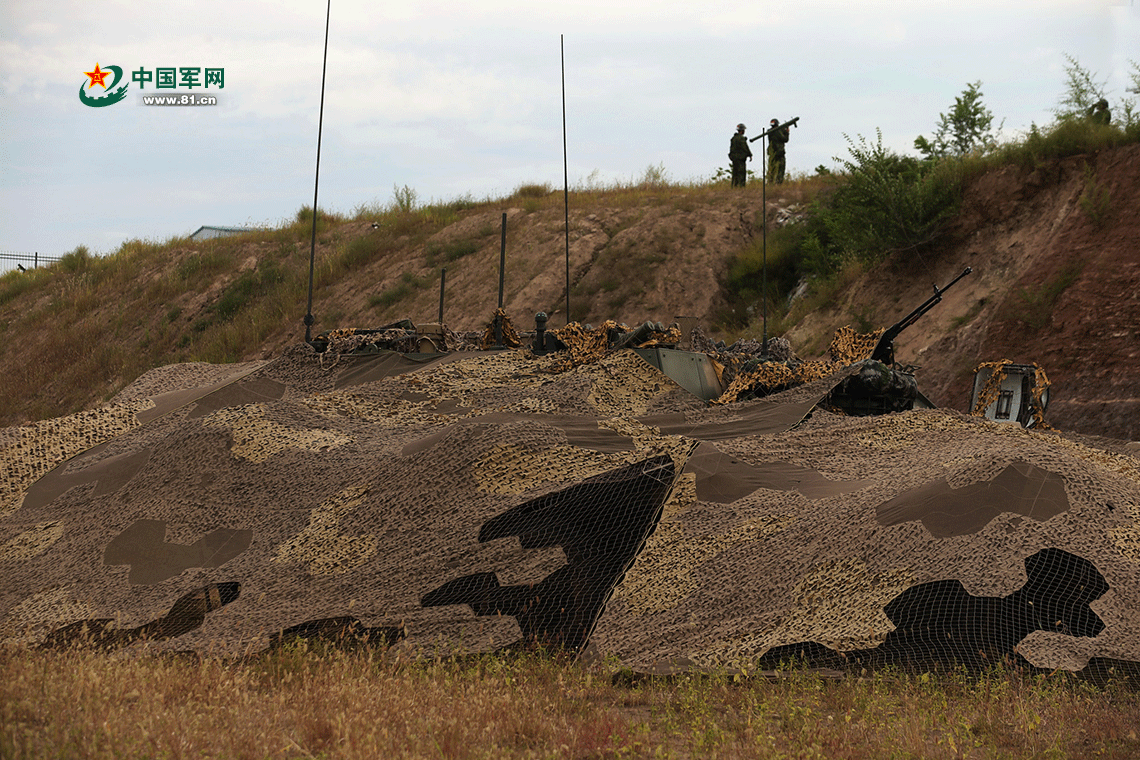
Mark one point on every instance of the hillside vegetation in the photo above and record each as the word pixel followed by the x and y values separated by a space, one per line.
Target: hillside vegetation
pixel 1047 222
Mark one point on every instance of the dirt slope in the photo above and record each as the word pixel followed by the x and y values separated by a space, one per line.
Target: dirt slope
pixel 1055 252
pixel 1056 281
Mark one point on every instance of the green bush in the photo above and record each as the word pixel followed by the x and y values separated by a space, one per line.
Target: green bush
pixel 1034 307
pixel 362 250
pixel 407 285
pixel 450 251
pixel 534 190
pixel 325 219
pixel 75 261
pixel 888 203
pixel 965 129
pixel 248 287
pixel 1095 200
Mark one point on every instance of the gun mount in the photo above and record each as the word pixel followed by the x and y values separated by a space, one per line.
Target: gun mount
pixel 885 349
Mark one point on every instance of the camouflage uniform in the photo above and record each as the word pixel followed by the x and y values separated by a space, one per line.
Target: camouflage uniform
pixel 738 154
pixel 776 161
pixel 1099 113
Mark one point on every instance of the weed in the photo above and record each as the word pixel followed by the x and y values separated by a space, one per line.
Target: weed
pixel 406 286
pixel 1034 308
pixel 404 199
pixel 15 283
pixel 76 260
pixel 654 176
pixel 304 217
pixel 534 190
pixel 864 318
pixel 200 269
pixel 443 253
pixel 969 316
pixel 774 261
pixel 1095 200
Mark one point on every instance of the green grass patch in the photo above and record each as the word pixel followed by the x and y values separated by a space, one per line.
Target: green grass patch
pixel 533 190
pixel 1095 200
pixel 443 253
pixel 406 286
pixel 1033 307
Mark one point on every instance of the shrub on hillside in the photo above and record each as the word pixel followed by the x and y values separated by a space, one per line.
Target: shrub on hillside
pixel 76 260
pixel 888 203
pixel 533 190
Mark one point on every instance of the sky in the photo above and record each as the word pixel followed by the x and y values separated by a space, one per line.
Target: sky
pixel 465 99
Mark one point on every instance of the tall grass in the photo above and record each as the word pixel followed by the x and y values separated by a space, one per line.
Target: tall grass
pixel 303 701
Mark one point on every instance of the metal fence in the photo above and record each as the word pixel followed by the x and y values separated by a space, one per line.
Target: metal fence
pixel 36 258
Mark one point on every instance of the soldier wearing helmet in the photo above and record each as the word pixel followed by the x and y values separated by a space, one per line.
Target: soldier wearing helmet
pixel 777 139
pixel 1099 113
pixel 738 154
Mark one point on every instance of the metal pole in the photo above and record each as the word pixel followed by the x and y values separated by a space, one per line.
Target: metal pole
pixel 309 320
pixel 764 237
pixel 442 282
pixel 764 247
pixel 565 175
pixel 502 257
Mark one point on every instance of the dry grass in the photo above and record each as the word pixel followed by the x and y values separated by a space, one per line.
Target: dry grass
pixel 299 702
pixel 87 326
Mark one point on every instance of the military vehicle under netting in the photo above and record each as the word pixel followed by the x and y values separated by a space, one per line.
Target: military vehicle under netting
pixel 653 497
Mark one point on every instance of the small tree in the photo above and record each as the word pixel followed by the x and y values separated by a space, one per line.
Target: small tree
pixel 1082 90
pixel 1129 119
pixel 965 129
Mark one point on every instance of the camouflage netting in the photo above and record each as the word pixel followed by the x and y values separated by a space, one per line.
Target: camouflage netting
pixel 991 389
pixel 481 500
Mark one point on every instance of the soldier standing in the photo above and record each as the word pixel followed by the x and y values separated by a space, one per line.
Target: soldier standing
pixel 777 139
pixel 738 154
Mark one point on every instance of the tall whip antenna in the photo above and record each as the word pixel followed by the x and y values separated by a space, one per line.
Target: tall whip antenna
pixel 316 181
pixel 565 174
pixel 764 238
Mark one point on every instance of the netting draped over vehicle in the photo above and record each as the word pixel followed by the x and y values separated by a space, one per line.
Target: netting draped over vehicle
pixel 992 388
pixel 483 500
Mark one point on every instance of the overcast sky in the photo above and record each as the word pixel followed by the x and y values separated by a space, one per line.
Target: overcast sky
pixel 458 99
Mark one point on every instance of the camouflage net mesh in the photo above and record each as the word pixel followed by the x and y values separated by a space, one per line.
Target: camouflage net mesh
pixel 992 388
pixel 29 452
pixel 848 346
pixel 762 378
pixel 510 336
pixel 484 501
pixel 586 344
pixel 348 341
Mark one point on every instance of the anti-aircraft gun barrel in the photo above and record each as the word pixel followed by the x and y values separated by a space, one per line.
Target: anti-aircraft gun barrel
pixel 885 349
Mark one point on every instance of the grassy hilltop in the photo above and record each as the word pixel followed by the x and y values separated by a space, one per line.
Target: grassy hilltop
pixel 860 247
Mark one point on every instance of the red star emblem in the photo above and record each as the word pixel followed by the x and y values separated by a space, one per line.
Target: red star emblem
pixel 97 77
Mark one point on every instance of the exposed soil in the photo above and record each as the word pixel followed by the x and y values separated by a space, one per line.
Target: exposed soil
pixel 1055 252
pixel 1026 233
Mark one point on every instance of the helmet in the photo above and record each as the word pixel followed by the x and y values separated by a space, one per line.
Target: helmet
pixel 775 122
pixel 741 127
